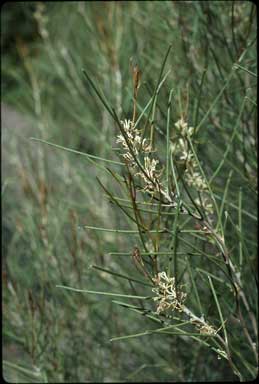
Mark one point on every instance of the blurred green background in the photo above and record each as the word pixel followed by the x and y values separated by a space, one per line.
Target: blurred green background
pixel 52 335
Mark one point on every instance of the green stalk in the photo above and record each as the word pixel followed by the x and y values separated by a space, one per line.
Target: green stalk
pixel 168 138
pixel 77 152
pixel 229 144
pixel 103 293
pixel 223 201
pixel 120 275
pixel 240 228
pixel 216 99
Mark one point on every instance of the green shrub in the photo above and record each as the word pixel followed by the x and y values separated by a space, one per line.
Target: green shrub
pixel 159 224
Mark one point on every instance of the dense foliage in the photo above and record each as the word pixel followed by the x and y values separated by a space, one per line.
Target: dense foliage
pixel 172 218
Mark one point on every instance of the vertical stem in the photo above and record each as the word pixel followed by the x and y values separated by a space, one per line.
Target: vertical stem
pixel 168 139
pixel 240 227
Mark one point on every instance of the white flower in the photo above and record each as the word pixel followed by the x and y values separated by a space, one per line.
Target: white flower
pixel 133 145
pixel 194 178
pixel 207 329
pixel 151 175
pixel 207 205
pixel 186 156
pixel 134 140
pixel 150 166
pixel 166 294
pixel 200 323
pixel 180 149
pixel 221 353
pixel 183 128
pixel 181 125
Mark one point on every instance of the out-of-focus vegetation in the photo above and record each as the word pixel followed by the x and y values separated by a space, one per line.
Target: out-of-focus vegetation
pixel 49 195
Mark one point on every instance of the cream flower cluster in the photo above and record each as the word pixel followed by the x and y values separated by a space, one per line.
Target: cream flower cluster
pixel 181 149
pixel 42 19
pixel 192 175
pixel 134 139
pixel 166 294
pixel 182 126
pixel 207 329
pixel 202 326
pixel 151 174
pixel 205 202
